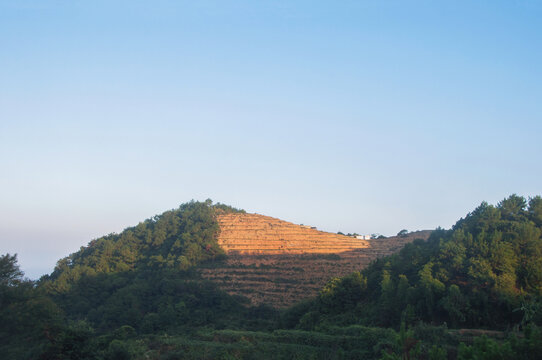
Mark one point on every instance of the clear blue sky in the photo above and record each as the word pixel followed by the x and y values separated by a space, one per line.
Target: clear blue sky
pixel 359 116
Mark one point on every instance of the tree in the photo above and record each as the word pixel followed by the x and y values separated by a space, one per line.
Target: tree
pixel 30 321
pixel 388 300
pixel 513 207
pixel 343 293
pixel 455 305
pixel 535 210
pixel 10 274
pixel 402 233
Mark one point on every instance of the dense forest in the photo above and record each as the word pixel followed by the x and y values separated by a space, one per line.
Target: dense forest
pixel 474 275
pixel 175 240
pixel 135 295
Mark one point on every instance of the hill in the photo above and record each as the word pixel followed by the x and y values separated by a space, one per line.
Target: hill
pixel 140 294
pixel 267 260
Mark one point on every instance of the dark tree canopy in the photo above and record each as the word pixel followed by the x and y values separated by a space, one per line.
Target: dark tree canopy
pixel 10 273
pixel 476 274
pixel 176 240
pixel 403 232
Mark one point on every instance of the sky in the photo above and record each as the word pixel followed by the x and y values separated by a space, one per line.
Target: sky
pixel 352 116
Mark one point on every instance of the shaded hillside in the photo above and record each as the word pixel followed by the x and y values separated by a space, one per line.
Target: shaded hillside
pixel 279 263
pixel 120 286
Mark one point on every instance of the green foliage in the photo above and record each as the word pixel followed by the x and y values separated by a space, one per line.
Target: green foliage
pixel 341 294
pixel 119 287
pixel 402 233
pixel 177 239
pixel 28 318
pixel 473 275
pixel 405 346
pixel 336 343
pixel 10 274
pixel 155 301
pixel 32 326
pixel 486 349
pixel 136 295
pixel 535 210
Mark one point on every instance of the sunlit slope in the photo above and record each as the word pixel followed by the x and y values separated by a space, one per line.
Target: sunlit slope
pixel 264 235
pixel 279 263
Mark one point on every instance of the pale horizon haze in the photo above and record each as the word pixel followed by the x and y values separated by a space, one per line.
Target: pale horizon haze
pixel 352 116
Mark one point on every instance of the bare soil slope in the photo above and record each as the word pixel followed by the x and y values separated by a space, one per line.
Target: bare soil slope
pixel 279 263
pixel 251 234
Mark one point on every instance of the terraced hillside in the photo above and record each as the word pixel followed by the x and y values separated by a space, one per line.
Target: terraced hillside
pixel 258 234
pixel 279 263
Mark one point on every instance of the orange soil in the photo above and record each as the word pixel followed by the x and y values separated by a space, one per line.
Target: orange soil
pixel 258 234
pixel 279 263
